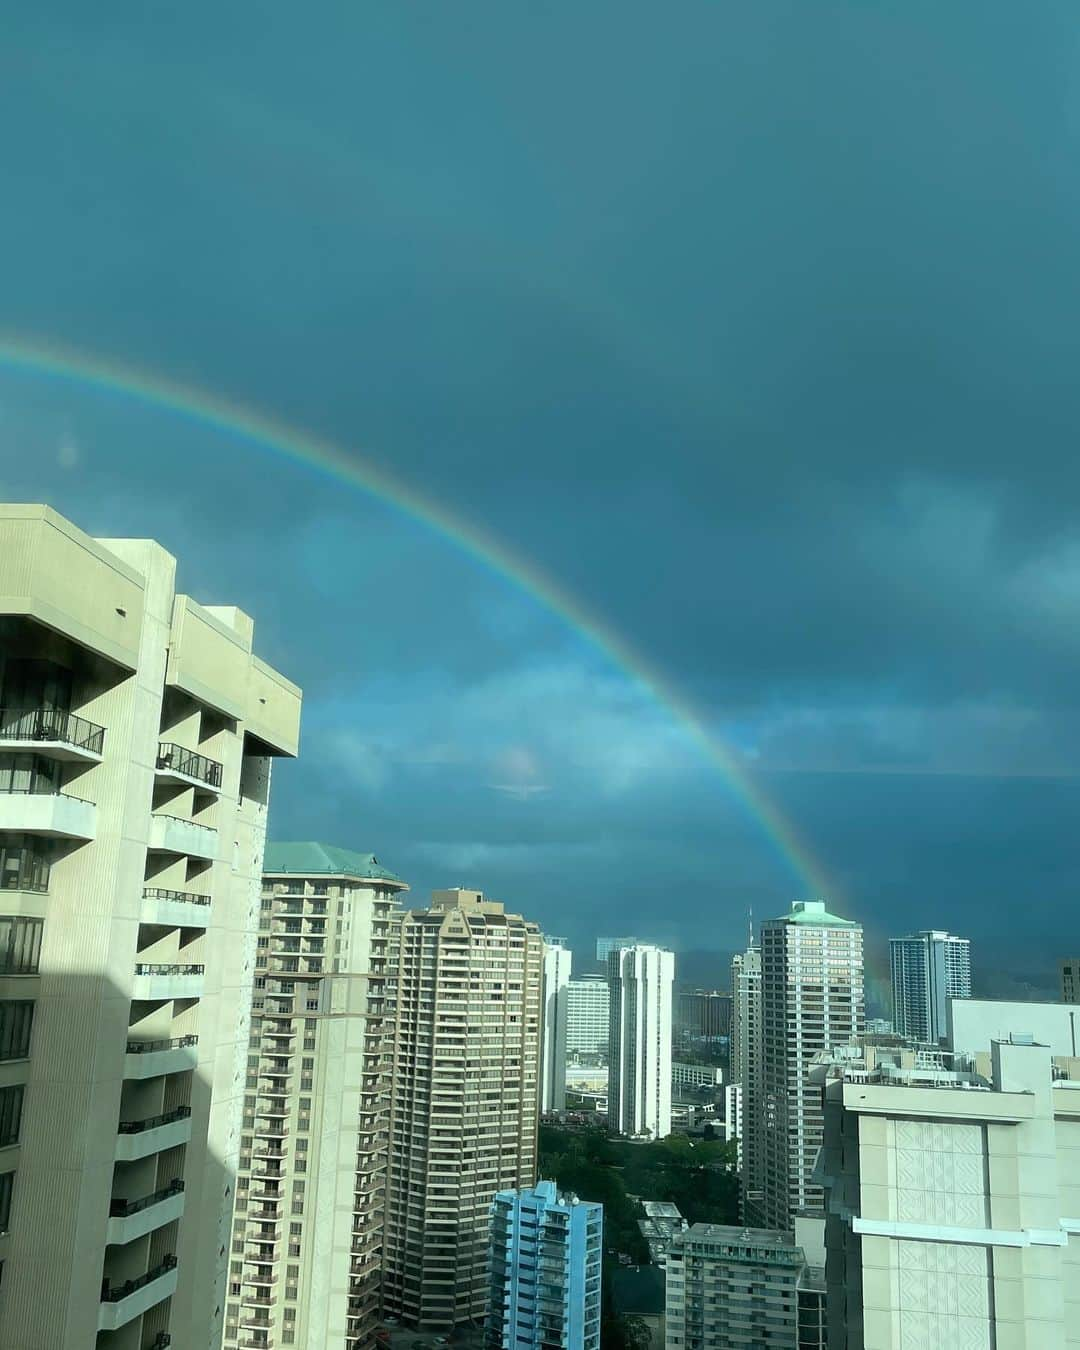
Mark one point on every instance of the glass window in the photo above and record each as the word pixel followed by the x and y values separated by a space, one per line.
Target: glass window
pixel 16 1018
pixel 11 1100
pixel 20 944
pixel 7 1181
pixel 24 863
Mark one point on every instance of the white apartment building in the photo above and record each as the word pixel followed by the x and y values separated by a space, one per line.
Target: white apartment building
pixel 746 1070
pixel 739 1288
pixel 733 1120
pixel 463 1012
pixel 639 1058
pixel 557 963
pixel 811 999
pixel 588 1016
pixel 304 1268
pixel 137 729
pixel 928 969
pixel 952 1203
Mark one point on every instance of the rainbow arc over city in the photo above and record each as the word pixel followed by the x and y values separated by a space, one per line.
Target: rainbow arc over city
pixel 258 429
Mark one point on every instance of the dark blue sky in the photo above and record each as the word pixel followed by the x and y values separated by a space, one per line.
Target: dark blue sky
pixel 754 325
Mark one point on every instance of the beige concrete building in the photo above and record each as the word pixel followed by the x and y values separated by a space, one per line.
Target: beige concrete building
pixel 463 1007
pixel 811 999
pixel 136 735
pixel 306 1253
pixel 953 1199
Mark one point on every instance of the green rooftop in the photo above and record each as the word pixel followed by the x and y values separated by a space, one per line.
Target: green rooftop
pixel 310 859
pixel 813 914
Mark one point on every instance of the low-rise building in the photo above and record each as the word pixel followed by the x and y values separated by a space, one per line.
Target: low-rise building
pixel 695 1077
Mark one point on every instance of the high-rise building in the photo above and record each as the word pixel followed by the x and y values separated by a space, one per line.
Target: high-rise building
pixel 639 1058
pixel 588 1015
pixel 733 1119
pixel 557 961
pixel 606 945
pixel 928 969
pixel 746 1048
pixel 952 1202
pixel 463 1008
pixel 1070 980
pixel 811 999
pixel 546 1251
pixel 703 1014
pixel 737 1288
pixel 136 736
pixel 307 1230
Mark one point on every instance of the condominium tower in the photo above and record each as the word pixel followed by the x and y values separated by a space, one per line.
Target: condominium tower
pixel 928 969
pixel 811 999
pixel 136 736
pixel 606 945
pixel 307 1232
pixel 463 1012
pixel 746 1072
pixel 639 1057
pixel 588 1015
pixel 546 1252
pixel 703 1014
pixel 557 962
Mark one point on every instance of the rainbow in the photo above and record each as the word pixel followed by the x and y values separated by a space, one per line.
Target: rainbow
pixel 204 409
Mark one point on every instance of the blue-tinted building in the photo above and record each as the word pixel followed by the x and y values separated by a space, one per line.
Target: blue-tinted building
pixel 545 1271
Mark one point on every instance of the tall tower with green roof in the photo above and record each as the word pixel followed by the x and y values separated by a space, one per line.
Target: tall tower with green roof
pixel 811 1000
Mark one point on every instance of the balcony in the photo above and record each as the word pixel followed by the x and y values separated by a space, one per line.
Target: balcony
pixel 140 1138
pixel 53 733
pixel 188 768
pixel 156 983
pixel 130 1219
pixel 186 838
pixel 175 909
pixel 57 815
pixel 121 1303
pixel 149 1059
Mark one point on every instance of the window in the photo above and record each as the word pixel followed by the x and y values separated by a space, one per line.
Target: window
pixel 11 1100
pixel 20 944
pixel 16 1018
pixel 24 863
pixel 7 1181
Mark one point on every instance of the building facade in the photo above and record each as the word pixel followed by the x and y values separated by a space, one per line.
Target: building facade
pixel 1070 980
pixel 606 945
pixel 746 1069
pixel 811 999
pixel 136 736
pixel 463 1014
pixel 695 1077
pixel 928 969
pixel 733 1120
pixel 738 1288
pixel 588 1016
pixel 639 1055
pixel 304 1267
pixel 546 1253
pixel 703 1014
pixel 952 1207
pixel 557 964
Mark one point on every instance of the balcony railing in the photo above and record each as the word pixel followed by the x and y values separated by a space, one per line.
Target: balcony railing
pixel 51 724
pixel 185 897
pixel 142 968
pixel 189 762
pixel 152 1122
pixel 149 1047
pixel 113 1293
pixel 123 1209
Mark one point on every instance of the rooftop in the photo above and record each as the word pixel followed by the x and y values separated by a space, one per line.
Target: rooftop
pixel 813 914
pixel 308 858
pixel 735 1234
